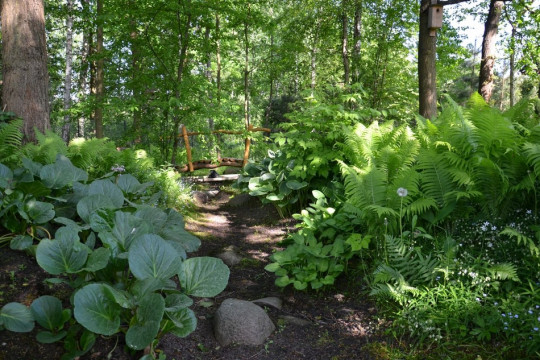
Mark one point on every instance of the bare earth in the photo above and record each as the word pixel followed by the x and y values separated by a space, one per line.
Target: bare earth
pixel 337 323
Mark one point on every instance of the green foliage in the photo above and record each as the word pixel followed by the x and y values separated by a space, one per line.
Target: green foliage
pixel 317 254
pixel 10 140
pixel 120 257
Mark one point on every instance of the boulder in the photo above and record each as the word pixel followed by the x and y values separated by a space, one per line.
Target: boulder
pixel 241 322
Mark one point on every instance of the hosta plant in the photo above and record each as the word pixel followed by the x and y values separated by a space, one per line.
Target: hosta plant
pixel 126 263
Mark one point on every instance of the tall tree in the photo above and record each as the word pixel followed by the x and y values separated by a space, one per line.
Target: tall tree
pixel 344 39
pixel 100 73
pixel 69 59
pixel 485 83
pixel 24 56
pixel 427 72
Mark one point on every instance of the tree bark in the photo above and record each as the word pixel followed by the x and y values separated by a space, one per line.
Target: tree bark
pixel 135 71
pixel 100 73
pixel 183 39
pixel 246 69
pixel 485 80
pixel 512 66
pixel 84 69
pixel 357 38
pixel 344 40
pixel 24 55
pixel 427 78
pixel 69 59
pixel 218 59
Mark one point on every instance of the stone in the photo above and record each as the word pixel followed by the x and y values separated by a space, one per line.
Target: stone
pixel 269 301
pixel 240 200
pixel 241 322
pixel 200 197
pixel 230 258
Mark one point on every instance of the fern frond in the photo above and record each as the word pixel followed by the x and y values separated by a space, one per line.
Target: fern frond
pixel 503 271
pixel 522 240
pixel 10 141
pixel 436 180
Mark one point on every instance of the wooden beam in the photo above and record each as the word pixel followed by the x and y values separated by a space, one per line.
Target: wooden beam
pixel 188 148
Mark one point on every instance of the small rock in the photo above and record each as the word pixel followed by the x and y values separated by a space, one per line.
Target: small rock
pixel 230 258
pixel 240 200
pixel 200 197
pixel 241 322
pixel 270 301
pixel 294 320
pixel 212 193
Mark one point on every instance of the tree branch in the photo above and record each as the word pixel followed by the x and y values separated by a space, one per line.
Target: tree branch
pixel 443 3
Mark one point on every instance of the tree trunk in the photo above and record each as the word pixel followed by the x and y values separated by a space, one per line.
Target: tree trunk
pixel 69 58
pixel 24 55
pixel 344 39
pixel 512 67
pixel 357 38
pixel 246 69
pixel 183 40
pixel 218 59
pixel 83 72
pixel 427 81
pixel 485 80
pixel 100 73
pixel 135 71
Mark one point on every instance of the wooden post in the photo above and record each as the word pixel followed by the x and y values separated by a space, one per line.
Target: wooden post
pixel 188 148
pixel 248 144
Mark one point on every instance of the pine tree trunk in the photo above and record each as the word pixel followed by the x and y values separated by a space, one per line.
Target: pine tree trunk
pixel 485 80
pixel 427 81
pixel 100 73
pixel 69 59
pixel 24 55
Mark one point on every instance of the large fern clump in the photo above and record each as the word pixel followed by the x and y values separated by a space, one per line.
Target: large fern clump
pixel 10 141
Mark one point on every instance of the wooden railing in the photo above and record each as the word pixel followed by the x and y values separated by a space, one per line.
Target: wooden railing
pixel 207 164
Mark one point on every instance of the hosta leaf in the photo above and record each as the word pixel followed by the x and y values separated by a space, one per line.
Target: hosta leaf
pixel 108 189
pixel 88 204
pixel 39 212
pixel 175 302
pixel 94 310
pixel 184 321
pixel 61 173
pixel 47 311
pixel 21 242
pixel 296 185
pixel 60 256
pixel 148 317
pixel 16 317
pixel 47 337
pixel 152 257
pixel 203 276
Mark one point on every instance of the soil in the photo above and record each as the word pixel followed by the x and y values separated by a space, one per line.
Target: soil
pixel 339 323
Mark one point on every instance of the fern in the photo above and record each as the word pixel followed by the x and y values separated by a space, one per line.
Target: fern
pixel 522 240
pixel 48 146
pixel 10 141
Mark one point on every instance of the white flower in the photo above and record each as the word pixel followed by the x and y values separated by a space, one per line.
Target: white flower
pixel 402 192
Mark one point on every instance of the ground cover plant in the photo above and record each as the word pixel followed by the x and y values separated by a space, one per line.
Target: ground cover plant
pixel 445 216
pixel 124 261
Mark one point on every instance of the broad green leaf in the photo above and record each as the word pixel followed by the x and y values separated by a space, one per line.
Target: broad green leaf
pixel 16 317
pixel 127 227
pixel 148 317
pixel 33 167
pixel 88 204
pixel 272 267
pixel 108 189
pixel 283 281
pixel 102 220
pixel 6 176
pixel 175 302
pixel 47 337
pixel 142 287
pixel 21 242
pixel 152 215
pixel 98 259
pixel 318 194
pixel 121 297
pixel 39 212
pixel 296 185
pixel 184 321
pixel 94 310
pixel 187 241
pixel 152 257
pixel 61 173
pixel 47 311
pixel 203 276
pixel 60 256
pixel 128 183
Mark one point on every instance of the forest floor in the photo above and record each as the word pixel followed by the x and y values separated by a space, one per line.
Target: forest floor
pixel 339 323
